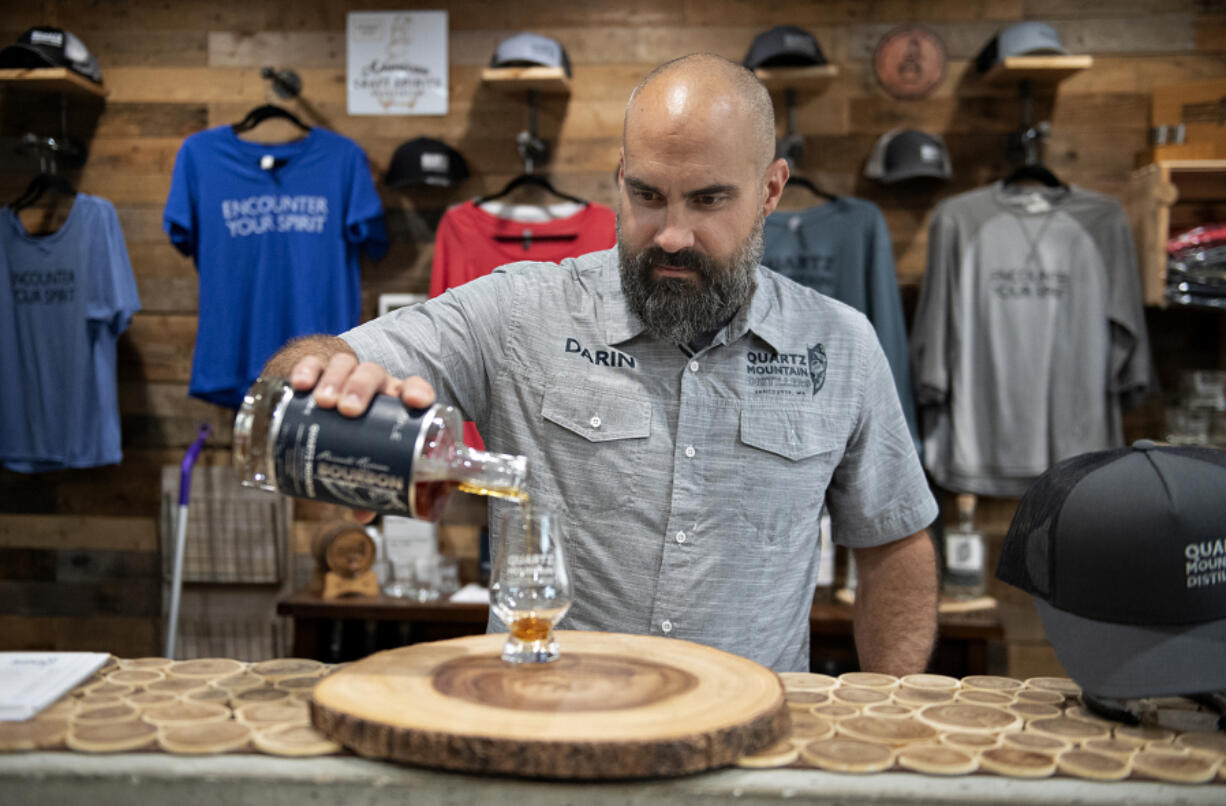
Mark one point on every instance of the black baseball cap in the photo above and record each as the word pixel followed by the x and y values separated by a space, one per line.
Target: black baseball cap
pixel 44 46
pixel 784 46
pixel 529 49
pixel 906 154
pixel 1125 553
pixel 1026 38
pixel 424 161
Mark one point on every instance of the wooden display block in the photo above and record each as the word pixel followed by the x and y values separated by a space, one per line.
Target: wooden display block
pixel 551 80
pixel 51 79
pixel 808 79
pixel 1047 70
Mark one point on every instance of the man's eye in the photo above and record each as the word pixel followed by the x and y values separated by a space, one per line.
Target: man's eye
pixel 645 195
pixel 709 200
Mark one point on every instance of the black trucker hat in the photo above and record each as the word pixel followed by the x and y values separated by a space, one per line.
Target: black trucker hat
pixel 424 161
pixel 1125 554
pixel 907 154
pixel 529 49
pixel 784 46
pixel 43 46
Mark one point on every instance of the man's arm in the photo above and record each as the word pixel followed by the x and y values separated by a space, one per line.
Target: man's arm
pixel 896 605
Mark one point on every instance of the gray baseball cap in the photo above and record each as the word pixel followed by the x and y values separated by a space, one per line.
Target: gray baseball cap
pixel 1029 38
pixel 908 153
pixel 1125 553
pixel 528 49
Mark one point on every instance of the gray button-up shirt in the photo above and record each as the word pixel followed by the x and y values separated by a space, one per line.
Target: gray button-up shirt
pixel 691 485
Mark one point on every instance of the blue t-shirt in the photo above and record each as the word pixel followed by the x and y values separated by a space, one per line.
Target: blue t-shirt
pixel 842 249
pixel 276 246
pixel 64 300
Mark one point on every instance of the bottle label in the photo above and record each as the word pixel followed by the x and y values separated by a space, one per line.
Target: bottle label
pixel 825 561
pixel 364 462
pixel 964 558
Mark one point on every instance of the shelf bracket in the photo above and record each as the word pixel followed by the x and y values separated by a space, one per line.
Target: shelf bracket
pixel 532 149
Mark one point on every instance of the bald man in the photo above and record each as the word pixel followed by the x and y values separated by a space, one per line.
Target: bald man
pixel 688 411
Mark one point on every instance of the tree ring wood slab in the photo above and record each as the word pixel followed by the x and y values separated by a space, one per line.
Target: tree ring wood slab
pixel 613 706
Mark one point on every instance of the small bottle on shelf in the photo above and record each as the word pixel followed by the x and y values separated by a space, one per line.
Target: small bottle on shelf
pixel 965 555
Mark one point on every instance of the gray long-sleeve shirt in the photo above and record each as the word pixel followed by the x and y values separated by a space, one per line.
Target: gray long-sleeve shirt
pixel 691 485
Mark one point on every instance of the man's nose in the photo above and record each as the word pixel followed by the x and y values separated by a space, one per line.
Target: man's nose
pixel 676 234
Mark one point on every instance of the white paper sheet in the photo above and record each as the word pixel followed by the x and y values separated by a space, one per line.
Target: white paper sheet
pixel 30 681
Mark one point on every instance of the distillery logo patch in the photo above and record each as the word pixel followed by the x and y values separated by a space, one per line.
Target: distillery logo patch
pixel 601 358
pixel 781 373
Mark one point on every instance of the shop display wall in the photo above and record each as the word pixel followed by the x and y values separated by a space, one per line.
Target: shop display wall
pixel 79 550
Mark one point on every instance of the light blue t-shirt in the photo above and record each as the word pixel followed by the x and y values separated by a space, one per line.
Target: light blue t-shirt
pixel 275 231
pixel 64 300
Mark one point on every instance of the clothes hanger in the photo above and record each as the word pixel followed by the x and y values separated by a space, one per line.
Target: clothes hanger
pixel 267 112
pixel 533 180
pixel 1037 172
pixel 807 184
pixel 39 185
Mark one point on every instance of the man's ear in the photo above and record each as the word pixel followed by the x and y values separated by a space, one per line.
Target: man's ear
pixel 621 166
pixel 777 174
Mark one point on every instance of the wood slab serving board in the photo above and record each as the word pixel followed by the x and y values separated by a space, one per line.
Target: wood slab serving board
pixel 613 706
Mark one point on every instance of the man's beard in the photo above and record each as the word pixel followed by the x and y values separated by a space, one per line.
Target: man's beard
pixel 680 309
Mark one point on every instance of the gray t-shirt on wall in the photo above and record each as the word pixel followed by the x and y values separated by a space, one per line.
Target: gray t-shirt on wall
pixel 1028 336
pixel 691 485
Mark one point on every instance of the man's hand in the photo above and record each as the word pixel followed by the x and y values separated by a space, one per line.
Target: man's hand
pixel 896 605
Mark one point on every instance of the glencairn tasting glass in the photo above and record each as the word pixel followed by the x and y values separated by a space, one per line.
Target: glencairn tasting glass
pixel 530 586
pixel 392 459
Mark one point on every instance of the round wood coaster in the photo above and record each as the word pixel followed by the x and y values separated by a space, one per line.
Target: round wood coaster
pixel 1017 763
pixel 1173 765
pixel 1060 685
pixel 293 740
pixel 939 682
pixel 893 732
pixel 859 697
pixel 281 668
pixel 779 754
pixel 966 718
pixel 254 695
pixel 106 687
pixel 1212 745
pixel 292 684
pixel 808 726
pixel 1075 730
pixel 920 697
pixel 970 742
pixel 112 737
pixel 206 668
pixel 147 699
pixel 240 682
pixel 1034 695
pixel 1112 747
pixel 144 663
pixel 610 707
pixel 94 700
pixel 807 681
pixel 1086 715
pixel 62 708
pixel 33 734
pixel 847 755
pixel 1029 711
pixel 937 759
pixel 990 682
pixel 1144 735
pixel 267 714
pixel 805 699
pixel 185 713
pixel 868 680
pixel 210 694
pixel 977 696
pixel 177 685
pixel 204 738
pixel 888 710
pixel 1094 766
pixel 835 711
pixel 1038 742
pixel 135 677
pixel 121 712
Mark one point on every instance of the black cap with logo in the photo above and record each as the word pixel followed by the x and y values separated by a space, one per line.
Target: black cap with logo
pixel 1125 553
pixel 43 46
pixel 424 161
pixel 907 154
pixel 784 46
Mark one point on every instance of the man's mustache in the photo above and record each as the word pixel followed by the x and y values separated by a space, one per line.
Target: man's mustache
pixel 689 259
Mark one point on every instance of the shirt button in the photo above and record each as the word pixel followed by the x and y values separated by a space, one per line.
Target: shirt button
pixel 595 421
pixel 693 366
pixel 666 626
pixel 689 451
pixel 680 537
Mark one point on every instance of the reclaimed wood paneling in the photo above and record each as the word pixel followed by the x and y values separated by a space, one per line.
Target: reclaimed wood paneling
pixel 173 69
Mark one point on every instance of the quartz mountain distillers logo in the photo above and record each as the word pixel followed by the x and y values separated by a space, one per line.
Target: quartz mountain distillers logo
pixel 782 373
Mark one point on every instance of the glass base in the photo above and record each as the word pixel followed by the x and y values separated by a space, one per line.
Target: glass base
pixel 517 651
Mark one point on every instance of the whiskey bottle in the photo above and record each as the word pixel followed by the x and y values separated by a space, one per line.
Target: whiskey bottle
pixel 965 555
pixel 392 459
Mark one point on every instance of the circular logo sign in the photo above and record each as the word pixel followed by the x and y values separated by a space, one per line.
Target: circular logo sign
pixel 909 62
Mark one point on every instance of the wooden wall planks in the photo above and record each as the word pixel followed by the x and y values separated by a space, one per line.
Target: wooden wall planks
pixel 175 68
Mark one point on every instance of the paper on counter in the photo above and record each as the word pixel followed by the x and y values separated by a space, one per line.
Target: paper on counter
pixel 30 681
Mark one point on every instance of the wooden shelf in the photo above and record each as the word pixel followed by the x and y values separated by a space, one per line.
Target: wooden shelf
pixel 1039 69
pixel 51 79
pixel 551 80
pixel 1155 189
pixel 811 79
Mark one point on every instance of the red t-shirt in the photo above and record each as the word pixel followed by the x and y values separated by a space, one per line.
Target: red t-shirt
pixel 471 243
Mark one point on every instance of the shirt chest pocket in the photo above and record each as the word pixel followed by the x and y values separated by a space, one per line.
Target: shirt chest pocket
pixel 593 454
pixel 788 456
